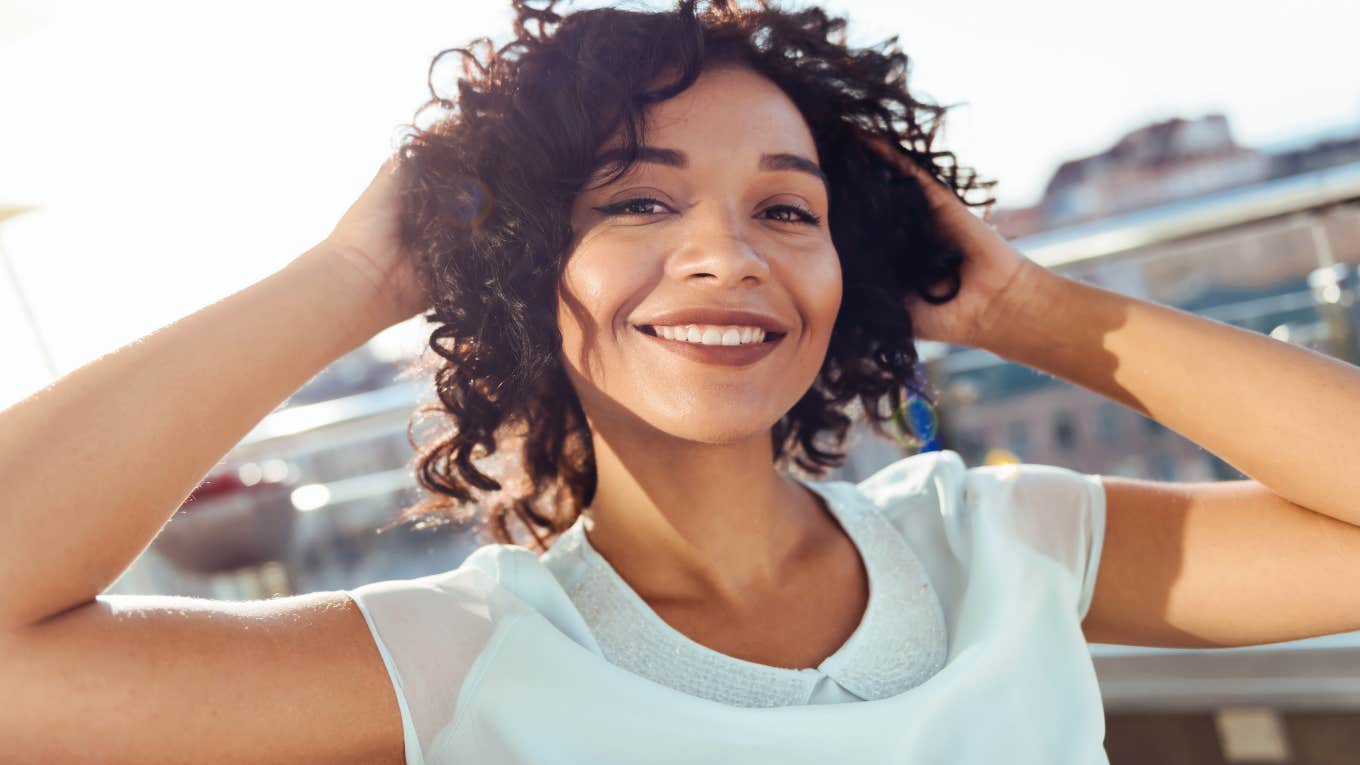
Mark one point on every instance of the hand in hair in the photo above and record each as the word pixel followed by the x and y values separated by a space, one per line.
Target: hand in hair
pixel 367 243
pixel 993 275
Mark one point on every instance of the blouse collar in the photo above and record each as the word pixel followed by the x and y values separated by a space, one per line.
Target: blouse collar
pixel 899 643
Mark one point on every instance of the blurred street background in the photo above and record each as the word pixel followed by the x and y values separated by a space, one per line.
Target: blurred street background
pixel 156 157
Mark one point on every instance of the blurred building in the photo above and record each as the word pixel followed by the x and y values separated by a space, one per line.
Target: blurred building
pixel 1159 163
pixel 335 459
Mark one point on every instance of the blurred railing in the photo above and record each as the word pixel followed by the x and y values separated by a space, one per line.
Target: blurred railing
pixel 1220 211
pixel 1277 257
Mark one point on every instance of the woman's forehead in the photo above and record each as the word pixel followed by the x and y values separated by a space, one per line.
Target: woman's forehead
pixel 728 115
pixel 730 104
pixel 766 161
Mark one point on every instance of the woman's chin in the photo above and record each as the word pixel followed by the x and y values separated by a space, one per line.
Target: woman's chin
pixel 714 428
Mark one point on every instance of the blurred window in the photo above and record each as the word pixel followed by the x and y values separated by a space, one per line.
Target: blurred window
pixel 1019 439
pixel 1108 423
pixel 1064 431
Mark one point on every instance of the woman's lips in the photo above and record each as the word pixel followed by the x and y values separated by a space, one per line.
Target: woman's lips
pixel 721 355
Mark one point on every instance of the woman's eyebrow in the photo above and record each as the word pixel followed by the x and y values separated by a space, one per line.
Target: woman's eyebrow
pixel 677 158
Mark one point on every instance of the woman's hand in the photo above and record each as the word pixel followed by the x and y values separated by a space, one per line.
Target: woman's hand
pixel 367 243
pixel 994 273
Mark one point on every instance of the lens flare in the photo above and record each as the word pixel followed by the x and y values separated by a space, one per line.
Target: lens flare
pixel 470 201
pixel 916 423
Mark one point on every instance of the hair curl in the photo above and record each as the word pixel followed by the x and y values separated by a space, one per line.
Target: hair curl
pixel 486 212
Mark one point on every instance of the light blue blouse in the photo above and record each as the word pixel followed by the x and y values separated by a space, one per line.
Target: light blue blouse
pixel 970 649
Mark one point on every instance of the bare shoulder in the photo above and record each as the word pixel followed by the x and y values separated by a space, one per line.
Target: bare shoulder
pixel 168 679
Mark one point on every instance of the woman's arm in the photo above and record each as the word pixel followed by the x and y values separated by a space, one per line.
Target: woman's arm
pixel 1286 416
pixel 94 465
pixel 1210 564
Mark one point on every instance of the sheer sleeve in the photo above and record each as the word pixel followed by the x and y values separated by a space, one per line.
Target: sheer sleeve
pixel 1053 511
pixel 983 515
pixel 430 632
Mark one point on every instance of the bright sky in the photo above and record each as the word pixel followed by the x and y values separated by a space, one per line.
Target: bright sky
pixel 179 152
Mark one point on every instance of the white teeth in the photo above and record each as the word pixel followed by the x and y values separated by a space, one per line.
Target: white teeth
pixel 706 334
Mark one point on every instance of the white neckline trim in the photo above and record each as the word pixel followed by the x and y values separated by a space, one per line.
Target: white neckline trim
pixel 899 643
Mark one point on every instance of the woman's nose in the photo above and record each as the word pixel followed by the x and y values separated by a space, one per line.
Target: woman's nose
pixel 716 249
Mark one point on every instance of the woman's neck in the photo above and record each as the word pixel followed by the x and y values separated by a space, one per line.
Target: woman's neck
pixel 683 520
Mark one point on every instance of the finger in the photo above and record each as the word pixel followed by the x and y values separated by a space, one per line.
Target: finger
pixel 935 190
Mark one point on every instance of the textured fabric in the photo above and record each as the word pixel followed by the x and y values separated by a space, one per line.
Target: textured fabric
pixel 898 644
pixel 493 662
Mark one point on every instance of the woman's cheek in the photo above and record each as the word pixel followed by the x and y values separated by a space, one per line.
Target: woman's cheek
pixel 598 283
pixel 821 280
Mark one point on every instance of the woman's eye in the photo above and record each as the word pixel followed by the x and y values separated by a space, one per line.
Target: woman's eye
pixel 630 206
pixel 800 215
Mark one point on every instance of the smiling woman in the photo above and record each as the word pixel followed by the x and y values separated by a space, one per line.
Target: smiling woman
pixel 665 254
pixel 694 257
pixel 641 164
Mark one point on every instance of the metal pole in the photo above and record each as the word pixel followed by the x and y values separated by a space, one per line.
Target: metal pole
pixel 1333 285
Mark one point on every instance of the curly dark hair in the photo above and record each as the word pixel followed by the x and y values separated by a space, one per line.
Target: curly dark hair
pixel 487 194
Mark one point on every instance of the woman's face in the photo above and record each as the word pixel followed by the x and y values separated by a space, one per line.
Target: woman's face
pixel 720 221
